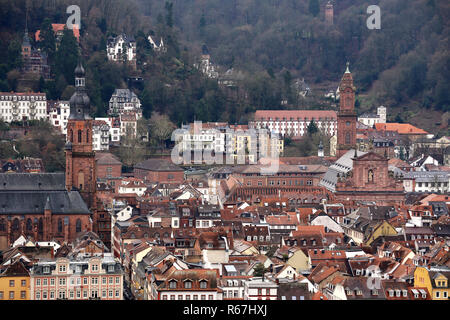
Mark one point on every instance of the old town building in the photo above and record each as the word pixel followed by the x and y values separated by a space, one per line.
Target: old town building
pixel 99 277
pixel 39 206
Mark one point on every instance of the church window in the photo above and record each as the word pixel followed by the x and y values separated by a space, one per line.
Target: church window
pixel 347 138
pixel 71 135
pixel 79 136
pixel 87 136
pixel 78 225
pixel 60 226
pixel 29 225
pixel 15 225
pixel 2 225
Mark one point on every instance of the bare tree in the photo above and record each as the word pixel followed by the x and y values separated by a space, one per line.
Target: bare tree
pixel 161 128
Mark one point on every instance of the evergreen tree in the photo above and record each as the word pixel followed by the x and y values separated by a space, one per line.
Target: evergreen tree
pixel 47 38
pixel 312 128
pixel 314 7
pixel 169 14
pixel 67 56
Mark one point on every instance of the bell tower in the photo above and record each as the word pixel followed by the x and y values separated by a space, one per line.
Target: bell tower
pixel 346 130
pixel 80 157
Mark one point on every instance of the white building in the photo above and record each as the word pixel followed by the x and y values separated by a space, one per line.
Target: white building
pixel 202 136
pixel 426 181
pixel 258 288
pixel 132 185
pixel 59 112
pixel 295 123
pixel 157 47
pixel 128 124
pixel 205 65
pixel 369 119
pixel 124 100
pixel 100 135
pixel 114 128
pixel 122 49
pixel 23 106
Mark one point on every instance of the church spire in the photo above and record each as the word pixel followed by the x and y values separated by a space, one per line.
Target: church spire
pixel 26 39
pixel 79 102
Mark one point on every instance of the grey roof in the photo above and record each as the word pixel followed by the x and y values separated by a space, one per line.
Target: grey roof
pixel 32 182
pixel 428 176
pixel 158 165
pixel 343 165
pixel 59 202
pixel 124 93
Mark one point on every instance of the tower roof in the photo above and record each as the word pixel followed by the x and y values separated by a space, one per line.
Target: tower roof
pixel 79 70
pixel 80 102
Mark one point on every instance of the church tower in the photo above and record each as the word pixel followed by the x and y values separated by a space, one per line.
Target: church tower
pixel 26 45
pixel 329 13
pixel 80 157
pixel 346 130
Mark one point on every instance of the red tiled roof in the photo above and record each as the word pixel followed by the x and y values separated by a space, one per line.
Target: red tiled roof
pixel 401 128
pixel 280 114
pixel 59 27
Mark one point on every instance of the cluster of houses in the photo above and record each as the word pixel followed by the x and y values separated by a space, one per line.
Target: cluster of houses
pixel 360 224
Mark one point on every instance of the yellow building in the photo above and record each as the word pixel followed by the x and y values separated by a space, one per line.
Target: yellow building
pixel 380 230
pixel 15 282
pixel 299 260
pixel 437 282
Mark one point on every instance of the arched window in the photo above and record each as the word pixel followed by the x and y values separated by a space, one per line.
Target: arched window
pixel 78 226
pixel 71 135
pixel 79 136
pixel 347 138
pixel 370 175
pixel 60 225
pixel 40 226
pixel 2 225
pixel 29 225
pixel 15 225
pixel 87 136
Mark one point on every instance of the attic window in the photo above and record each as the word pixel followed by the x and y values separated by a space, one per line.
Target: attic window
pixel 172 284
pixel 203 284
pixel 188 284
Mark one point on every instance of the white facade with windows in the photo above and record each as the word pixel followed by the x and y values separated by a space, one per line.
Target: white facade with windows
pixel 59 115
pixel 23 106
pixel 295 122
pixel 90 278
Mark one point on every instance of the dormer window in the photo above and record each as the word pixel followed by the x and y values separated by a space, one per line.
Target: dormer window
pixel 172 284
pixel 188 284
pixel 46 270
pixel 203 284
